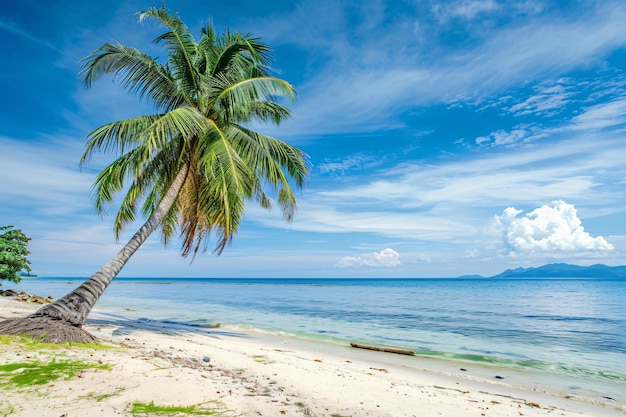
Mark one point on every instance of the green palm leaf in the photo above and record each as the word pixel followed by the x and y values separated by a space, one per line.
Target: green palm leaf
pixel 207 92
pixel 137 72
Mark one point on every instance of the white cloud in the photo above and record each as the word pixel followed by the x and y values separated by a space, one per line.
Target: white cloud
pixel 611 114
pixel 45 176
pixel 548 100
pixel 528 6
pixel 356 161
pixel 385 258
pixel 16 30
pixel 421 202
pixel 560 169
pixel 464 9
pixel 549 228
pixel 502 137
pixel 602 115
pixel 517 135
pixel 379 81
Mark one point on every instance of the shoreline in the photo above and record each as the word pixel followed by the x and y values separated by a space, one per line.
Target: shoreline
pixel 259 374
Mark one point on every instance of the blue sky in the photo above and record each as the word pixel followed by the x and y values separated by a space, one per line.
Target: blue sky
pixel 446 137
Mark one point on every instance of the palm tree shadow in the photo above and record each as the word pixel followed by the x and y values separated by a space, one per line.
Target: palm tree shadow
pixel 125 326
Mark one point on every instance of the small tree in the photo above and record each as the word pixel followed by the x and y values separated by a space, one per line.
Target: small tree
pixel 13 253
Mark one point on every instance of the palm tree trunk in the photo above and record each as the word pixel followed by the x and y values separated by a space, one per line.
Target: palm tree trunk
pixel 73 308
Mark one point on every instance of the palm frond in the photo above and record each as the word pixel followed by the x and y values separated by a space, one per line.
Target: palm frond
pixel 111 179
pixel 224 182
pixel 270 158
pixel 238 100
pixel 257 53
pixel 260 111
pixel 205 93
pixel 137 72
pixel 118 136
pixel 259 88
pixel 242 54
pixel 179 41
pixel 155 130
pixel 183 122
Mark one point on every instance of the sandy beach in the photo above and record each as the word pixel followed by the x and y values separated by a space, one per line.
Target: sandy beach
pixel 244 373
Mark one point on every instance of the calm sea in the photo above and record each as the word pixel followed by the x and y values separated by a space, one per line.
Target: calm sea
pixel 572 331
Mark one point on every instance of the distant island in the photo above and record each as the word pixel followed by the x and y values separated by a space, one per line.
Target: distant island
pixel 561 270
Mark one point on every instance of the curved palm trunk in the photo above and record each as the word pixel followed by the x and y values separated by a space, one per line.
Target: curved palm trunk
pixel 74 307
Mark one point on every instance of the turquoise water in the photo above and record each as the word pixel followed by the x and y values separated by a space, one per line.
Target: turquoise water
pixel 573 330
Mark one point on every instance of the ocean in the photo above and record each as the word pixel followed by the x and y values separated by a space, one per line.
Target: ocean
pixel 568 334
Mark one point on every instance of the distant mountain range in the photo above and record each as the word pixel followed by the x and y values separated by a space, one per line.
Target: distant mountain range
pixel 565 271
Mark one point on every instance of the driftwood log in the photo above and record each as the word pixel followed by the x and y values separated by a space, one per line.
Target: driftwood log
pixel 384 349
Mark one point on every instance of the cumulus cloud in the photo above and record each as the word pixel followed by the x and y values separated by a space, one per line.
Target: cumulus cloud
pixel 549 228
pixel 385 258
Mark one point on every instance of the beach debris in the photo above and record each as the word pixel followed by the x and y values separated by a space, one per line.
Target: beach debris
pixel 452 389
pixel 463 369
pixel 528 403
pixel 26 297
pixel 206 359
pixel 498 377
pixel 384 349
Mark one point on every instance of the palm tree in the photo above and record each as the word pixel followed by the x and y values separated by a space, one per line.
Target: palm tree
pixel 191 167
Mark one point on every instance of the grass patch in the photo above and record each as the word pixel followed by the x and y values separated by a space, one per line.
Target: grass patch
pixel 150 409
pixel 102 397
pixel 105 396
pixel 36 343
pixel 262 359
pixel 35 372
pixel 4 412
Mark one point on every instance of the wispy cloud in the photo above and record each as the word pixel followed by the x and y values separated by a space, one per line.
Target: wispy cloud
pixel 519 134
pixel 496 177
pixel 16 30
pixel 594 117
pixel 352 162
pixel 536 76
pixel 464 9
pixel 44 175
pixel 379 81
pixel 421 203
pixel 600 116
pixel 548 100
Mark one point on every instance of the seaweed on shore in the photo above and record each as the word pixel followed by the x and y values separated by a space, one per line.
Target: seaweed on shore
pixel 36 372
pixel 216 409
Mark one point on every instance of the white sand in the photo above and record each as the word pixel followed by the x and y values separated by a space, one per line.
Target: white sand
pixel 260 375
